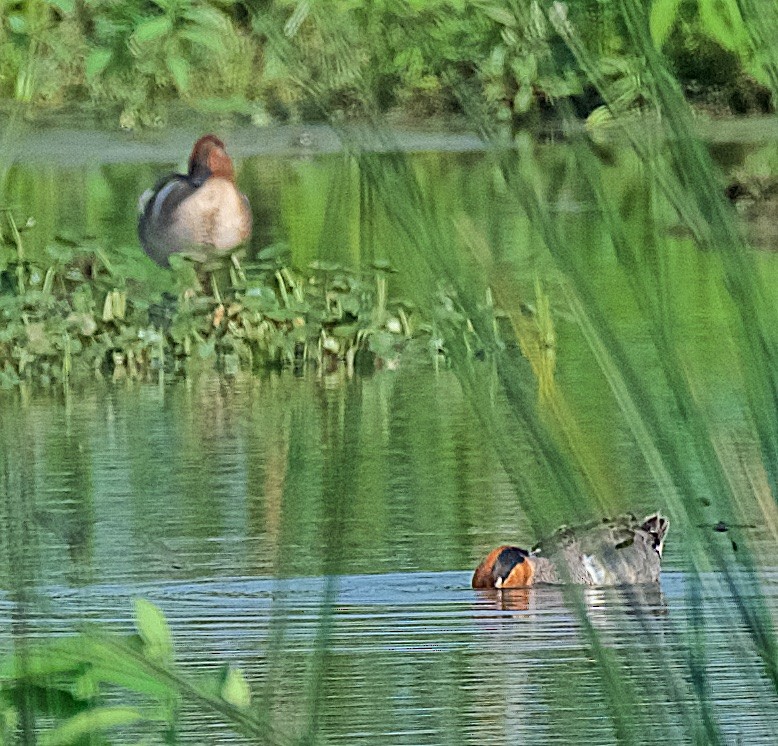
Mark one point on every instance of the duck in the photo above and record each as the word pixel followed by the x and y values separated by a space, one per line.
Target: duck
pixel 607 552
pixel 756 201
pixel 200 214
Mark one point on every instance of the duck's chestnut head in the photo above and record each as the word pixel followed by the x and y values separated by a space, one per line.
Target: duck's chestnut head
pixel 209 158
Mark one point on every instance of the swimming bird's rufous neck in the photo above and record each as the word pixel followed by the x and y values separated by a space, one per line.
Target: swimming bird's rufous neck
pixel 209 158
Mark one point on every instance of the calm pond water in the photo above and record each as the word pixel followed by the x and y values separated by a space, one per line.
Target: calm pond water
pixel 244 507
pixel 215 501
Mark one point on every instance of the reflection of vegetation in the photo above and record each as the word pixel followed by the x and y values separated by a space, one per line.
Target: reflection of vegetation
pixel 224 56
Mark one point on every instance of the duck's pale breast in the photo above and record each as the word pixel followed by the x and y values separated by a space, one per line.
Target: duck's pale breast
pixel 216 216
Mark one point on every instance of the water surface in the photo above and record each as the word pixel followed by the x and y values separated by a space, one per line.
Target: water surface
pixel 215 501
pixel 264 511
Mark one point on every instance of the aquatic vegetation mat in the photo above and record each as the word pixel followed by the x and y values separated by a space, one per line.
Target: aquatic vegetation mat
pixel 88 313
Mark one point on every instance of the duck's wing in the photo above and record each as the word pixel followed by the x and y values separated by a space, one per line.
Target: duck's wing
pixel 611 551
pixel 656 526
pixel 157 210
pixel 595 530
pixel 168 193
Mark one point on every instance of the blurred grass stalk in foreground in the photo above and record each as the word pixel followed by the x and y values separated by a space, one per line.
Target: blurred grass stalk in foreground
pixel 697 473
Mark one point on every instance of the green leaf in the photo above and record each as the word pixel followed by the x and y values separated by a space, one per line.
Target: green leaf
pixel 382 343
pixel 97 60
pixel 663 17
pixel 721 20
pixel 44 662
pixel 350 304
pixel 273 252
pixel 235 688
pixel 211 40
pixel 49 699
pixel 154 631
pixel 179 69
pixel 206 349
pixel 301 11
pixel 124 673
pixel 500 14
pixel 260 298
pixel 119 662
pixel 600 116
pixel 522 101
pixel 207 20
pixel 525 68
pixel 66 6
pixel 18 23
pixel 282 314
pixel 345 331
pixel 152 29
pixel 87 723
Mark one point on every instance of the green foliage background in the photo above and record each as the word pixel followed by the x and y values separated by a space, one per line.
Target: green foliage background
pixel 135 57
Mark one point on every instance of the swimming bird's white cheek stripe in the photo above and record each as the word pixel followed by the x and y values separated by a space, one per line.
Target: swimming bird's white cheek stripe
pixel 596 573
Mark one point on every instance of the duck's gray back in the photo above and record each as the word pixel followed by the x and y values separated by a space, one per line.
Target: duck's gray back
pixel 612 552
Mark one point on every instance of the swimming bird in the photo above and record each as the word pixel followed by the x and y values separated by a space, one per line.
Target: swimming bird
pixel 200 214
pixel 756 201
pixel 618 551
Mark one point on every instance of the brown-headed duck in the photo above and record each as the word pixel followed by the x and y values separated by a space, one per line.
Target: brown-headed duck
pixel 200 214
pixel 619 551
